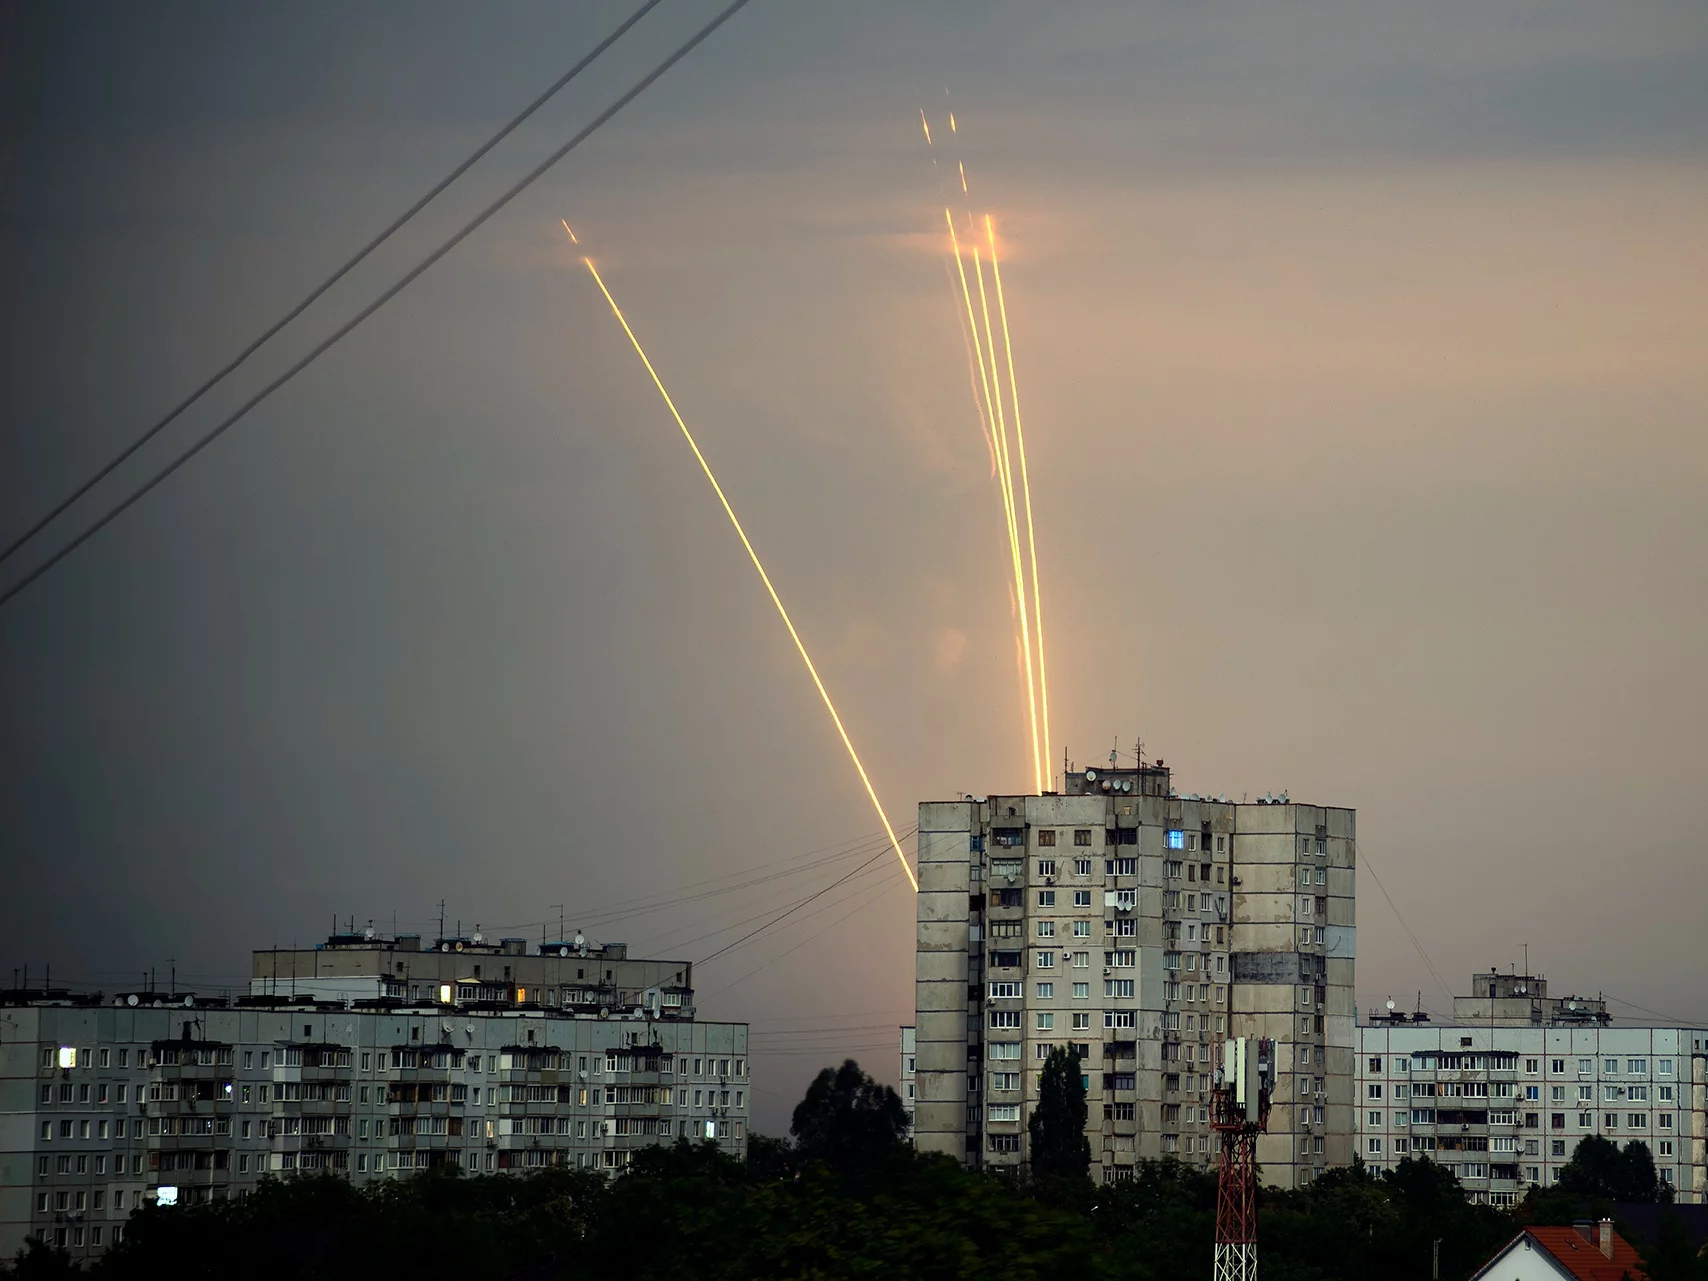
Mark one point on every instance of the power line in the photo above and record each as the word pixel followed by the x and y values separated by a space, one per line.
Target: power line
pixel 862 870
pixel 797 907
pixel 808 939
pixel 1428 965
pixel 331 280
pixel 408 278
pixel 1660 1014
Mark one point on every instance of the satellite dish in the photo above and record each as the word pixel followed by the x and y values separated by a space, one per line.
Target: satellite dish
pixel 1090 776
pixel 189 1001
pixel 563 951
pixel 580 939
pixel 368 934
pixel 477 937
pixel 131 999
pixel 444 947
pixel 459 946
pixel 1390 1005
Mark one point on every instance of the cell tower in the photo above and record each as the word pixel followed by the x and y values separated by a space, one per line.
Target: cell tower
pixel 1239 1113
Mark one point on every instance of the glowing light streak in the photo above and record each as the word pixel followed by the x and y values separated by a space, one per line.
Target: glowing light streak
pixel 987 414
pixel 926 125
pixel 962 165
pixel 758 565
pixel 1013 527
pixel 1026 489
pixel 952 122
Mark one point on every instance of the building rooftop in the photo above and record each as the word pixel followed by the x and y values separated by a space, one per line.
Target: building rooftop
pixel 1591 1252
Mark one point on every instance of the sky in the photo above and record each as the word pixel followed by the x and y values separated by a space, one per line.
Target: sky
pixel 1360 347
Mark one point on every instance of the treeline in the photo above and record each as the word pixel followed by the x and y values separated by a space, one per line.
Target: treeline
pixel 845 1198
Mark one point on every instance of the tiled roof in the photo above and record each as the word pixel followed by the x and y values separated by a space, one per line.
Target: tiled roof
pixel 1583 1258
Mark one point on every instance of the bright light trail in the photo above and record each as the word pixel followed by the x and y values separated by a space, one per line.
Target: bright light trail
pixel 1026 489
pixel 753 555
pixel 1013 527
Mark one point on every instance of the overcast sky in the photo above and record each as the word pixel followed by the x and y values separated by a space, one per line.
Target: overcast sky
pixel 1362 353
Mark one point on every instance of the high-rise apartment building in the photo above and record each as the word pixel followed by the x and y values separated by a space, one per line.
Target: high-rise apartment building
pixel 1505 1092
pixel 368 1056
pixel 1143 928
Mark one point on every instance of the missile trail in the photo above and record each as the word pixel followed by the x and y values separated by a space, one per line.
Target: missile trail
pixel 1013 527
pixel 987 374
pixel 987 412
pixel 753 555
pixel 1026 489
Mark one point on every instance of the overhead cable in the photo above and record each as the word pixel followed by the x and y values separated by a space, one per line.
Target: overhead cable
pixel 331 280
pixel 402 283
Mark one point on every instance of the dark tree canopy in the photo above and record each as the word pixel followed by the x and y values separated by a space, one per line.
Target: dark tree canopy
pixel 1600 1171
pixel 1060 1151
pixel 847 1118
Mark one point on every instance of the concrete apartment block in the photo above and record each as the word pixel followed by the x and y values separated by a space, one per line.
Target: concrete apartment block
pixel 1142 927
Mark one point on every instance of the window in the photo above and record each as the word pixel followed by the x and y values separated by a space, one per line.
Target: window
pixel 1082 898
pixel 1532 1066
pixel 1122 988
pixel 1663 1067
pixel 1375 1064
pixel 1082 960
pixel 1005 1018
pixel 1046 867
pixel 1081 1021
pixel 1046 1022
pixel 1610 1065
pixel 1082 836
pixel 1046 929
pixel 1082 866
pixel 1374 1092
pixel 1047 836
pixel 1002 1112
pixel 1046 991
pixel 1081 991
pixel 1046 898
pixel 1045 960
pixel 1008 837
pixel 1118 1018
pixel 1637 1120
pixel 1176 840
pixel 1082 929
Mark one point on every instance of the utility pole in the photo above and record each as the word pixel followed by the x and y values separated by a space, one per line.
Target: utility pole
pixel 1239 1113
pixel 1435 1263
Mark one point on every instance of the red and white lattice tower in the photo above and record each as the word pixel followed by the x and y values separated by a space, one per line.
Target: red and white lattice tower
pixel 1239 1113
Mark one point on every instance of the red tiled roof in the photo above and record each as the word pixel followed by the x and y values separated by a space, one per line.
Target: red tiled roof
pixel 1584 1259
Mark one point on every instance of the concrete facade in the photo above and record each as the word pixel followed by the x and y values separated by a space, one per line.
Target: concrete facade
pixel 107 1103
pixel 1144 928
pixel 1506 1105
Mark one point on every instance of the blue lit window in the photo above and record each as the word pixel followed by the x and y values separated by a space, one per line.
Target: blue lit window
pixel 1177 840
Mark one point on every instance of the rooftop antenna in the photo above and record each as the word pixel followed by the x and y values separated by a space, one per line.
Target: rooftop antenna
pixel 1115 752
pixel 441 918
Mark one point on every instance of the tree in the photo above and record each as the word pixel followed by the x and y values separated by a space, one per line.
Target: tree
pixel 848 1119
pixel 1061 1154
pixel 1600 1171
